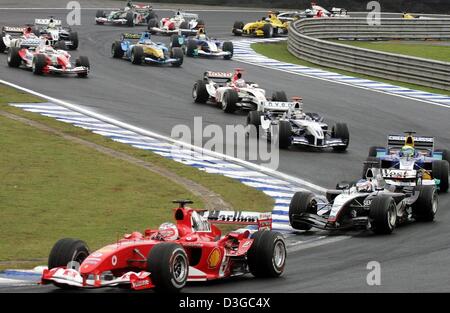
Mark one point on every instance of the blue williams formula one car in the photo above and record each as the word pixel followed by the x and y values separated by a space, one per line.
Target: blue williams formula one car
pixel 139 48
pixel 201 45
pixel 412 155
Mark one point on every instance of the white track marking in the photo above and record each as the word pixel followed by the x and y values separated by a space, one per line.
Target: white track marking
pixel 149 133
pixel 320 241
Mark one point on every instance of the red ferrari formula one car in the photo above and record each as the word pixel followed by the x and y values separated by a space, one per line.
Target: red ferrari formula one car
pixel 44 59
pixel 193 249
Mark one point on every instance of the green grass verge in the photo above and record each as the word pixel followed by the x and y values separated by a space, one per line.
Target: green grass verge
pixel 424 50
pixel 52 188
pixel 279 51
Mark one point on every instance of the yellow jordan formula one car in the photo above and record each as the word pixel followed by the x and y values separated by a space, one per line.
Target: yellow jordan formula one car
pixel 267 27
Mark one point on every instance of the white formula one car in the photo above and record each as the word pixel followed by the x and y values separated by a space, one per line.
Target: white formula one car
pixel 131 15
pixel 18 37
pixel 370 203
pixel 296 127
pixel 181 23
pixel 315 11
pixel 55 34
pixel 231 91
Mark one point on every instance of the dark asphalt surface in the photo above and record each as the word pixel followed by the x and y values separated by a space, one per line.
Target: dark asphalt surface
pixel 414 258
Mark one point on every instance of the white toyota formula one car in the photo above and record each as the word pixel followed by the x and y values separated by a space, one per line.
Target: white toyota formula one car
pixel 181 23
pixel 296 127
pixel 231 91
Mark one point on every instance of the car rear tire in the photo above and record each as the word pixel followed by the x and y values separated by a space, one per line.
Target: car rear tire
pixel 267 255
pixel 130 19
pixel 279 96
pixel 301 202
pixel 73 37
pixel 237 28
pixel 229 101
pixel 61 45
pixel 2 45
pixel 177 53
pixel 153 22
pixel 116 50
pixel 100 13
pixel 426 205
pixel 254 118
pixel 191 47
pixel 228 47
pixel 439 170
pixel 83 61
pixel 267 30
pixel 175 41
pixel 445 154
pixel 184 25
pixel 199 92
pixel 169 267
pixel 284 134
pixel 14 59
pixel 340 130
pixel 38 64
pixel 137 55
pixel 383 214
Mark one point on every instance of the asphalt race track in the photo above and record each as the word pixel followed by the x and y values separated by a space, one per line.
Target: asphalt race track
pixel 414 258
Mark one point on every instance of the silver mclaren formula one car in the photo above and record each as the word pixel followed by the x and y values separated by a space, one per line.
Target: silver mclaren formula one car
pixel 369 203
pixel 295 127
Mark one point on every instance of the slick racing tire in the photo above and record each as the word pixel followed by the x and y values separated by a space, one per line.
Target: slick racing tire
pixel 301 202
pixel 67 252
pixel 383 214
pixel 83 61
pixel 284 134
pixel 229 101
pixel 73 37
pixel 177 53
pixel 184 25
pixel 254 118
pixel 38 64
pixel 175 41
pixel 279 96
pixel 137 55
pixel 2 45
pixel 340 130
pixel 153 22
pixel 228 47
pixel 426 205
pixel 267 255
pixel 445 154
pixel 14 59
pixel 36 31
pixel 237 28
pixel 100 13
pixel 151 15
pixel 130 19
pixel 439 170
pixel 61 45
pixel 366 166
pixel 191 46
pixel 116 50
pixel 169 267
pixel 373 151
pixel 267 30
pixel 199 92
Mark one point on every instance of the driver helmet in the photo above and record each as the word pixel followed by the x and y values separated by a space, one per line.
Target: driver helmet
pixel 168 231
pixel 51 24
pixel 201 34
pixel 364 185
pixel 308 12
pixel 407 151
pixel 28 30
pixel 240 83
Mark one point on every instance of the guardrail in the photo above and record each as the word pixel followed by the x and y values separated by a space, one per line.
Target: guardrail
pixel 309 40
